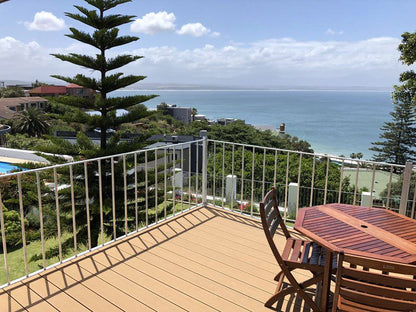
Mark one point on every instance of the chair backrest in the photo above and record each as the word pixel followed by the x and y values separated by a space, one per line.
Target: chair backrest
pixel 375 284
pixel 271 220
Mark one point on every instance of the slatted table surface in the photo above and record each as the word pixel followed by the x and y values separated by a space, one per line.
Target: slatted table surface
pixel 363 231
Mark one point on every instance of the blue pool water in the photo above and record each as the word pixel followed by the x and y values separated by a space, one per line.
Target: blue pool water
pixel 7 167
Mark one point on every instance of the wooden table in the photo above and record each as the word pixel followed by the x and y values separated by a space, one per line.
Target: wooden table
pixel 363 231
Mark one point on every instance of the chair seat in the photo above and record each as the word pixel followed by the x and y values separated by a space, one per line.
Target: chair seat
pixel 351 306
pixel 305 253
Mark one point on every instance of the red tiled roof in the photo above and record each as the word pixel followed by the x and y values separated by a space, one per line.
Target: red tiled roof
pixel 49 90
pixel 73 86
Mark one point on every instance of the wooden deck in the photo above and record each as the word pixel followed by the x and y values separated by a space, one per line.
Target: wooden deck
pixel 207 259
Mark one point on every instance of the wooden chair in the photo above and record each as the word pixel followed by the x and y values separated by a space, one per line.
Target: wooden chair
pixel 364 284
pixel 296 254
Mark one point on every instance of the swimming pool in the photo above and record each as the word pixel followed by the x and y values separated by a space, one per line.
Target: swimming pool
pixel 7 167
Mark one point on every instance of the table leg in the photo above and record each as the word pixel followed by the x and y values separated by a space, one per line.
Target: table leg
pixel 327 280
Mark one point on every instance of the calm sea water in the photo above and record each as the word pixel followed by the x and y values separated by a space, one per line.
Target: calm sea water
pixel 334 122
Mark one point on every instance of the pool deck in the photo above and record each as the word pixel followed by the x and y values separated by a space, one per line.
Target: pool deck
pixel 16 156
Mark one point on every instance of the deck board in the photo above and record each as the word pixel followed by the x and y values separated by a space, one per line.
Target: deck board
pixel 207 259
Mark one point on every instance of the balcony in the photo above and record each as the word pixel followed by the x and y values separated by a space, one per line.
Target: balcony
pixel 203 260
pixel 166 229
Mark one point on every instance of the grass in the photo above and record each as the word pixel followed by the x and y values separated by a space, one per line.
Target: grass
pixel 365 177
pixel 16 262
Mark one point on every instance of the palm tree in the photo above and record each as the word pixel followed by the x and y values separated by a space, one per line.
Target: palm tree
pixel 32 121
pixel 194 112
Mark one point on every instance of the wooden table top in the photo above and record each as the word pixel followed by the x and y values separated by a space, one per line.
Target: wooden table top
pixel 363 231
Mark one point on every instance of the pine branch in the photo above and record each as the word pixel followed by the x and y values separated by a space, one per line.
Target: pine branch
pixel 133 115
pixel 120 61
pixel 81 80
pixel 85 61
pixel 82 37
pixel 105 5
pixel 115 82
pixel 126 102
pixel 92 19
pixel 75 101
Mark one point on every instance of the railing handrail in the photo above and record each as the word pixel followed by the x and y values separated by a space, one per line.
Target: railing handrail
pixel 323 155
pixel 79 162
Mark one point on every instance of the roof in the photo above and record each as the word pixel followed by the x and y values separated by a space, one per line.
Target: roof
pixel 49 90
pixel 5 103
pixel 171 138
pixel 74 86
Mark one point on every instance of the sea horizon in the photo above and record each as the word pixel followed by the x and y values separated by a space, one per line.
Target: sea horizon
pixel 336 122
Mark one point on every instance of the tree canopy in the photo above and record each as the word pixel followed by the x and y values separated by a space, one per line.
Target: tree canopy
pixel 398 136
pixel 10 92
pixel 32 122
pixel 240 132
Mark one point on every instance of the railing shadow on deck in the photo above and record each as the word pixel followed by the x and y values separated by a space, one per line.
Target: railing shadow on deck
pixel 61 278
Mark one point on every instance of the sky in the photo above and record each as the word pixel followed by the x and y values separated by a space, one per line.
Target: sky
pixel 247 43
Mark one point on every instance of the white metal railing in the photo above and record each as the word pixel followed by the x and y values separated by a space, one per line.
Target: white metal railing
pixel 83 205
pixel 304 179
pixel 56 213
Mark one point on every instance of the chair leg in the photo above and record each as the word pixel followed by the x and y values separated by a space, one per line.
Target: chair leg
pixel 279 294
pixel 276 278
pixel 280 282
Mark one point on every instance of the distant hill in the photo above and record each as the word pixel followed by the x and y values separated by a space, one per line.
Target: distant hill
pixel 178 86
pixel 170 86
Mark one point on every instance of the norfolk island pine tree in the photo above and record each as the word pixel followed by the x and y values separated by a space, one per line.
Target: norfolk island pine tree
pixel 104 37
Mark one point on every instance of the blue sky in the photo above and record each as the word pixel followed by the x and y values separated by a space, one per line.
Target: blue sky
pixel 263 43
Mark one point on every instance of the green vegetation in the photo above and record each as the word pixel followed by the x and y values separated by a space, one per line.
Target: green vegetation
pixel 240 132
pixel 32 122
pixel 11 92
pixel 275 174
pixel 105 37
pixel 399 135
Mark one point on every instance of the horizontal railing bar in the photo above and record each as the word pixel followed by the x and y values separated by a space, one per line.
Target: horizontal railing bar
pixel 80 162
pixel 310 154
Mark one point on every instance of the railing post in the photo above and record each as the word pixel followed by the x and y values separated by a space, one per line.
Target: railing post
pixel 204 135
pixel 405 187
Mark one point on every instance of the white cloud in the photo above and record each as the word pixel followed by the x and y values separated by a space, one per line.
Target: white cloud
pixel 28 61
pixel 45 21
pixel 372 62
pixel 332 32
pixel 153 23
pixel 284 61
pixel 194 29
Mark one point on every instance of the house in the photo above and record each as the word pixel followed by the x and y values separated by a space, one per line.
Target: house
pixel 225 121
pixel 94 136
pixel 192 153
pixel 76 90
pixel 183 114
pixel 48 91
pixel 10 106
pixel 71 90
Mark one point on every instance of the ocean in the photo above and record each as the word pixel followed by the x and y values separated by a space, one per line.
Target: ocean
pixel 333 122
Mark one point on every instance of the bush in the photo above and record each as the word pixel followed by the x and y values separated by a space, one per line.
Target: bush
pixel 13 229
